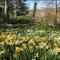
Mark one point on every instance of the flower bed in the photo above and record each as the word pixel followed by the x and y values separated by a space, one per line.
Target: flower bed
pixel 39 45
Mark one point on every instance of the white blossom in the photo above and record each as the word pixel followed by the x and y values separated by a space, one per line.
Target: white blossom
pixel 59 38
pixel 36 55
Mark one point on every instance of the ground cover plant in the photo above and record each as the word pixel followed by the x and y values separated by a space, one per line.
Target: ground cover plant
pixel 29 44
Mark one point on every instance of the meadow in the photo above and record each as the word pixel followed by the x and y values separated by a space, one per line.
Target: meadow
pixel 30 42
pixel 29 29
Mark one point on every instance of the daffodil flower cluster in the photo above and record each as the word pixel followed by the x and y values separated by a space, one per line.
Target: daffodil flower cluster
pixel 17 44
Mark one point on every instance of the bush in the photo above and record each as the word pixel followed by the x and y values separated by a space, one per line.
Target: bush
pixel 24 19
pixel 21 20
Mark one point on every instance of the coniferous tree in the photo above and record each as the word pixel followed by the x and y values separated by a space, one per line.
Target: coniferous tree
pixel 22 8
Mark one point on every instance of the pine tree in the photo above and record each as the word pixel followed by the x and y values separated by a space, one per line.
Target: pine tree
pixel 22 8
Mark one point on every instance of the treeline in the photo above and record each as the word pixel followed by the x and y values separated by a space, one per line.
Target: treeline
pixel 10 9
pixel 15 7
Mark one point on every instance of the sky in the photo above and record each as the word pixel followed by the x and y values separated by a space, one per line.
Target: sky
pixel 40 4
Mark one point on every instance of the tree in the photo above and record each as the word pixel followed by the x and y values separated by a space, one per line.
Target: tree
pixel 5 8
pixel 1 10
pixel 54 4
pixel 17 7
pixel 34 10
pixel 22 8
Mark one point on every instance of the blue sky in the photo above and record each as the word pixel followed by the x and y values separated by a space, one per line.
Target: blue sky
pixel 40 4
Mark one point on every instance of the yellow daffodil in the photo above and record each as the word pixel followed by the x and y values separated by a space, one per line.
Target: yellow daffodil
pixel 30 48
pixel 27 37
pixel 23 38
pixel 31 42
pixel 55 38
pixel 58 50
pixel 55 44
pixel 24 46
pixel 18 49
pixel 19 36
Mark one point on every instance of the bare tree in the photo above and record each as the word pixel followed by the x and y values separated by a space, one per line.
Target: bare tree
pixel 5 7
pixel 54 4
pixel 14 10
pixel 34 10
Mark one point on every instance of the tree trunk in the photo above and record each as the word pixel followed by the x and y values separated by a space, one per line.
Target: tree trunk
pixel 34 10
pixel 5 8
pixel 55 21
pixel 14 11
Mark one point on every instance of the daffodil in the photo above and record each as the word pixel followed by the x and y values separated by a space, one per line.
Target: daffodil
pixel 55 44
pixel 27 37
pixel 42 45
pixel 24 46
pixel 58 50
pixel 17 42
pixel 18 49
pixel 23 38
pixel 59 38
pixel 55 39
pixel 31 48
pixel 31 42
pixel 9 42
pixel 19 36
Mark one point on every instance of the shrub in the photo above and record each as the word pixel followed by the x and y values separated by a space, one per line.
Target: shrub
pixel 21 20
